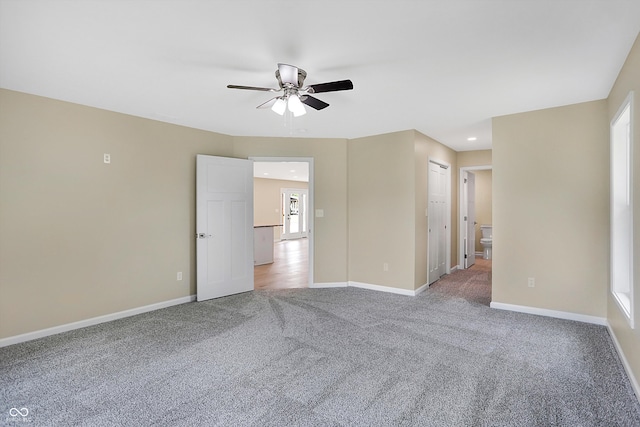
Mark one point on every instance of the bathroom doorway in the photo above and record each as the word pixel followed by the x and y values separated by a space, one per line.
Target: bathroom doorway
pixel 475 210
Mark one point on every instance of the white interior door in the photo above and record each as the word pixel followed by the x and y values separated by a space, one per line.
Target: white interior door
pixel 437 221
pixel 294 211
pixel 224 226
pixel 470 220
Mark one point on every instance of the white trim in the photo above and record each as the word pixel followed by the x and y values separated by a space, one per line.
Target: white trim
pixel 550 313
pixel 328 285
pixel 629 314
pixel 423 288
pixel 625 362
pixel 93 321
pixel 371 287
pixel 311 205
pixel 462 204
pixel 381 288
pixel 455 268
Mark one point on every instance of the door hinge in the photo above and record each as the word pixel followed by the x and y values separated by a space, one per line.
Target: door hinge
pixel 465 218
pixel 465 180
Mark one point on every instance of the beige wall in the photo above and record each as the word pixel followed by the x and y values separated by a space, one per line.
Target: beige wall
pixel 474 158
pixel 484 201
pixel 330 194
pixel 80 238
pixel 266 201
pixel 381 206
pixel 628 80
pixel 550 208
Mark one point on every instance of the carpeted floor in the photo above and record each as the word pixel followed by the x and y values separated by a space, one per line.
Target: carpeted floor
pixel 472 284
pixel 321 357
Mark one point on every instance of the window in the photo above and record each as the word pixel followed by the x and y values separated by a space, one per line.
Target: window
pixel 622 209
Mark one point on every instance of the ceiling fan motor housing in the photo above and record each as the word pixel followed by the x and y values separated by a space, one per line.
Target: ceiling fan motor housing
pixel 302 74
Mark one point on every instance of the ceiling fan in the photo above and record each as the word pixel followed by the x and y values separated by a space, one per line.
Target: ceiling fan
pixel 291 80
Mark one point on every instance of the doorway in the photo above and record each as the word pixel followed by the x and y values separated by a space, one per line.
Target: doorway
pixel 475 210
pixel 287 206
pixel 294 210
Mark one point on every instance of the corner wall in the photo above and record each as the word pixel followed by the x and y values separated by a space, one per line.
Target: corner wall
pixel 80 238
pixel 550 208
pixel 381 210
pixel 629 339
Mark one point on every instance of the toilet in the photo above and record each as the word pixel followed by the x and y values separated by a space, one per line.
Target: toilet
pixel 486 240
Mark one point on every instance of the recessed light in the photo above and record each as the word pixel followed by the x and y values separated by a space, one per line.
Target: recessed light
pixel 266 173
pixel 292 170
pixel 472 138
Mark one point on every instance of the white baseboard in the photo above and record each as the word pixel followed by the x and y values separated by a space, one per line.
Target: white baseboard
pixel 383 288
pixel 423 288
pixel 453 269
pixel 328 285
pixel 550 313
pixel 92 321
pixel 625 362
pixel 370 287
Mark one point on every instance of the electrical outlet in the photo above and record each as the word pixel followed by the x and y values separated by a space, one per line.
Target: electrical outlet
pixel 179 275
pixel 531 282
pixel 107 158
pixel 385 266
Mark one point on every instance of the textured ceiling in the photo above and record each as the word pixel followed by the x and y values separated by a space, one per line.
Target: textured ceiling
pixel 441 67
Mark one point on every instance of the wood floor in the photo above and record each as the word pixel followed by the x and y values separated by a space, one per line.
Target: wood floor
pixel 290 268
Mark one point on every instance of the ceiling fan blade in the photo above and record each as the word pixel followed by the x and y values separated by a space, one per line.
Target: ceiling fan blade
pixel 331 87
pixel 288 74
pixel 263 89
pixel 269 103
pixel 313 102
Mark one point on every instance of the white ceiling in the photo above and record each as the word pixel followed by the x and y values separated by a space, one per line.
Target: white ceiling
pixel 290 171
pixel 442 67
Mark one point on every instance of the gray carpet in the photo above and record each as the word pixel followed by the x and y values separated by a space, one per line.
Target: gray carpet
pixel 322 357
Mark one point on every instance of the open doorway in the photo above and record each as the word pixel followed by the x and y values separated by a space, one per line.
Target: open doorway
pixel 283 226
pixel 475 224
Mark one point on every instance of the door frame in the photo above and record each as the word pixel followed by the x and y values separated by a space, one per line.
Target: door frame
pixel 310 205
pixel 447 223
pixel 462 203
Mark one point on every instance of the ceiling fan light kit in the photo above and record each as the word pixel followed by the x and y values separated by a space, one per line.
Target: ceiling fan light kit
pixel 291 79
